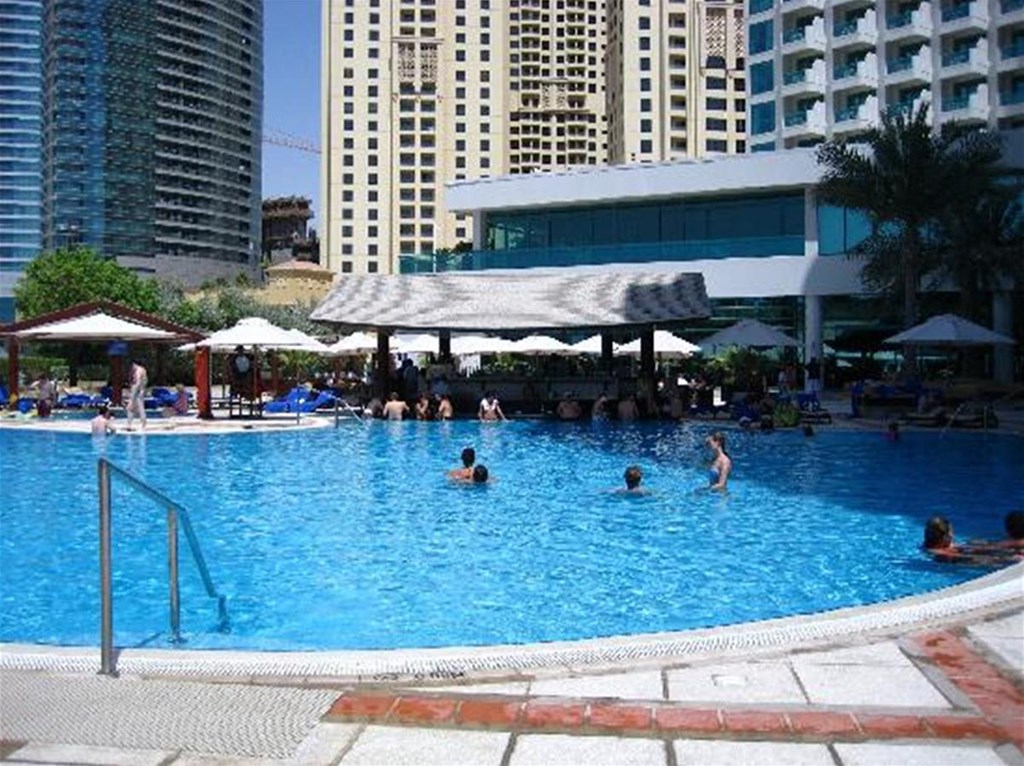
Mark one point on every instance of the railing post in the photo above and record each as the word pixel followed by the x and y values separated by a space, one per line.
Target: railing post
pixel 172 571
pixel 106 595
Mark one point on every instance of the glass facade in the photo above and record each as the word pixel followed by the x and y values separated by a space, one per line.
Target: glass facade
pixel 151 127
pixel 20 141
pixel 670 230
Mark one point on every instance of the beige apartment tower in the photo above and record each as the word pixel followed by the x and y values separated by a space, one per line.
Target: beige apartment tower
pixel 416 93
pixel 675 79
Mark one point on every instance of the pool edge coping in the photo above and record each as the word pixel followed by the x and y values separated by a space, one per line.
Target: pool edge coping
pixel 993 593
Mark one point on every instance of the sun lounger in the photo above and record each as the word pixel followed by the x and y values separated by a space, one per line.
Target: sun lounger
pixel 811 410
pixel 934 418
pixel 974 416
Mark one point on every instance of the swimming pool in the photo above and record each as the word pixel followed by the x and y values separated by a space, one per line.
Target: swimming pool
pixel 353 538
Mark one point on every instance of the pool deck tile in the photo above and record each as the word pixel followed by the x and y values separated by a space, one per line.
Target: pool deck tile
pixel 632 718
pixel 861 685
pixel 634 686
pixel 748 682
pixel 674 720
pixel 548 749
pixel 394 746
pixel 876 754
pixel 496 713
pixel 722 753
pixel 554 715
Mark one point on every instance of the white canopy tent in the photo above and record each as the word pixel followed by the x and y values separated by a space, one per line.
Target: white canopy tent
pixel 949 330
pixel 473 345
pixel 750 333
pixel 590 346
pixel 94 327
pixel 542 345
pixel 252 331
pixel 666 345
pixel 422 343
pixel 309 343
pixel 356 344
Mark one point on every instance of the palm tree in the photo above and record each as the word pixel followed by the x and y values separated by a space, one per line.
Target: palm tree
pixel 905 179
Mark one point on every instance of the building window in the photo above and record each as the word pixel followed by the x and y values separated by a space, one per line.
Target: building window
pixel 762 118
pixel 645 84
pixel 712 123
pixel 346 267
pixel 762 77
pixel 371 267
pixel 646 146
pixel 761 37
pixel 716 83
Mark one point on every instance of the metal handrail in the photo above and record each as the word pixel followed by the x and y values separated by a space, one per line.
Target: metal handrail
pixel 338 404
pixel 175 512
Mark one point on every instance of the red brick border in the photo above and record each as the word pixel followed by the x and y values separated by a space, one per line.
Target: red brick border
pixel 999 701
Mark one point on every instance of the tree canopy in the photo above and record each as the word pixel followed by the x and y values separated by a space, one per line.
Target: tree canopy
pixel 62 278
pixel 910 181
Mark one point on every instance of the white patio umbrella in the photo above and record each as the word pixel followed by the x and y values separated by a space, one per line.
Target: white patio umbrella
pixel 309 343
pixel 751 333
pixel 473 345
pixel 666 345
pixel 356 344
pixel 591 345
pixel 542 345
pixel 414 344
pixel 252 331
pixel 949 330
pixel 98 326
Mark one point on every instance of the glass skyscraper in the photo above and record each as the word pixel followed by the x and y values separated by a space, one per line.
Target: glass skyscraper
pixel 20 136
pixel 152 116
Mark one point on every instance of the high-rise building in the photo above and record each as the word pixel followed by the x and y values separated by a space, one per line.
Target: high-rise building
pixel 821 70
pixel 420 92
pixel 152 115
pixel 20 142
pixel 675 79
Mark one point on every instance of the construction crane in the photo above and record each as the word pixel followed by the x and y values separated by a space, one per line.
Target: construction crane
pixel 280 138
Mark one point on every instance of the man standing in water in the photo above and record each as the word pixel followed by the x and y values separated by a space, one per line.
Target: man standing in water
pixel 137 394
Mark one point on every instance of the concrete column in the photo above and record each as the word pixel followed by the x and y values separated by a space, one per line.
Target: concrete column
pixel 607 352
pixel 646 387
pixel 383 361
pixel 12 367
pixel 812 328
pixel 444 346
pixel 1002 322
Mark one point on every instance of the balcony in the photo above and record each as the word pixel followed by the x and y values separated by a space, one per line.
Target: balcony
pixel 863 31
pixel 804 82
pixel 1011 56
pixel 802 124
pixel 856 118
pixel 971 107
pixel 911 106
pixel 910 70
pixel 911 24
pixel 807 39
pixel 965 16
pixel 1011 103
pixel 789 6
pixel 857 75
pixel 966 62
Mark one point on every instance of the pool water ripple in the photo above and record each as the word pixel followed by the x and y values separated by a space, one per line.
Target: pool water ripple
pixel 353 538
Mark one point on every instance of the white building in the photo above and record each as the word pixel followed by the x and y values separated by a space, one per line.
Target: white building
pixel 819 69
pixel 750 224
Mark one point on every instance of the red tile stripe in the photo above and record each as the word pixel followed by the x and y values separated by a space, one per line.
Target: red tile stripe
pixel 999 701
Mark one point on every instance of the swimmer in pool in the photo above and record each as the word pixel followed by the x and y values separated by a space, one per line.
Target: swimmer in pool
pixel 633 476
pixel 938 542
pixel 466 472
pixel 481 475
pixel 721 465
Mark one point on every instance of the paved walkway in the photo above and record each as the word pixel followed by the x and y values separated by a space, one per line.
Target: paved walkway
pixel 949 695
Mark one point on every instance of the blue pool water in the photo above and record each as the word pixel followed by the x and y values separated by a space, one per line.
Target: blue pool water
pixel 353 538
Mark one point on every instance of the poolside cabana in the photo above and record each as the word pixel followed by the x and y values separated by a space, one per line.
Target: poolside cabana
pixel 102 322
pixel 553 301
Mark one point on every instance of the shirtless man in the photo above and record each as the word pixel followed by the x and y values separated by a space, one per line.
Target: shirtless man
pixel 101 425
pixel 137 394
pixel 444 408
pixel 395 409
pixel 466 472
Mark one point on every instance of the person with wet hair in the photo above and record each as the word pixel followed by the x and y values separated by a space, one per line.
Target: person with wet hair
pixel 721 465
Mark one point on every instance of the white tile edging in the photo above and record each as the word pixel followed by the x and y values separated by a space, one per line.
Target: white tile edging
pixel 999 590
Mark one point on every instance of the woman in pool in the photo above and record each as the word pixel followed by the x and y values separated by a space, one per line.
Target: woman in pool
pixel 721 466
pixel 938 542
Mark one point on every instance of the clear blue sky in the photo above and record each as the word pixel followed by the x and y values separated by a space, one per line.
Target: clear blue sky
pixel 291 96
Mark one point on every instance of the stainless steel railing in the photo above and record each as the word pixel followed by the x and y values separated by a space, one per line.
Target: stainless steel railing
pixel 175 514
pixel 339 405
